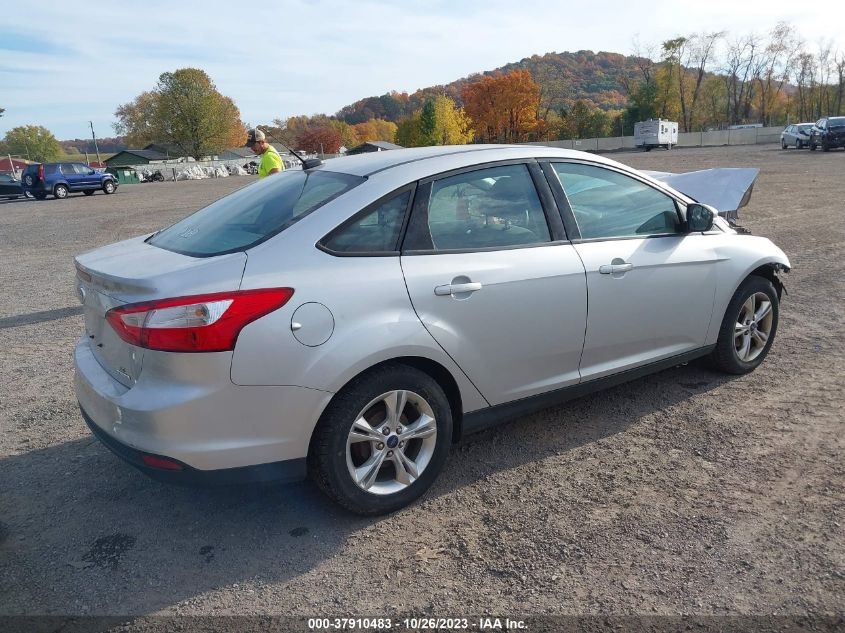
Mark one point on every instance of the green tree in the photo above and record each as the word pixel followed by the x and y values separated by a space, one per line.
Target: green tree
pixel 185 110
pixel 409 131
pixel 33 141
pixel 428 121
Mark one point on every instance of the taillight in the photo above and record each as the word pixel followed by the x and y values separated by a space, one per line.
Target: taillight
pixel 201 323
pixel 41 172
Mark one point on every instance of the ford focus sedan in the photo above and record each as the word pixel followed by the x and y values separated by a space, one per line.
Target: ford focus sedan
pixel 351 320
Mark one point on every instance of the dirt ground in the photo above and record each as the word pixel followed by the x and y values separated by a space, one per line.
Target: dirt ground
pixel 684 492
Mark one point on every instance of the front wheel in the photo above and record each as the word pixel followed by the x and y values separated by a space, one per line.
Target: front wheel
pixel 382 441
pixel 109 187
pixel 783 144
pixel 812 146
pixel 748 328
pixel 60 191
pixel 799 144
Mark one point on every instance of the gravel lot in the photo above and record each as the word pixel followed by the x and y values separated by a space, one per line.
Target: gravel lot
pixel 684 492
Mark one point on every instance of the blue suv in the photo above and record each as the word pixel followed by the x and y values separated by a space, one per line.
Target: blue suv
pixel 60 179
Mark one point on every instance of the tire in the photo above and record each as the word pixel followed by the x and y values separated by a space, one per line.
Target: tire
pixel 28 180
pixel 825 146
pixel 60 191
pixel 799 144
pixel 812 146
pixel 744 340
pixel 361 470
pixel 108 187
pixel 783 144
pixel 40 196
pixel 88 192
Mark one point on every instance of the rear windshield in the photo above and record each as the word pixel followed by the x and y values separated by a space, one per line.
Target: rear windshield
pixel 253 214
pixel 837 121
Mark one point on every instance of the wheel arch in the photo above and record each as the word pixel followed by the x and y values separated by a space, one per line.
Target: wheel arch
pixel 432 368
pixel 770 271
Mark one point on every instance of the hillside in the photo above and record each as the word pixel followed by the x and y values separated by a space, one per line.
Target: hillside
pixel 601 78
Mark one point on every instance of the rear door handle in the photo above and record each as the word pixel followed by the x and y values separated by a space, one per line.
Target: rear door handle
pixel 609 269
pixel 454 289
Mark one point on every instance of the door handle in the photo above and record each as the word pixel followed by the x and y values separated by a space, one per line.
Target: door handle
pixel 610 269
pixel 454 289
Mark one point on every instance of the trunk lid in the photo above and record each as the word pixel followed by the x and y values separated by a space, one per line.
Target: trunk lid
pixel 132 271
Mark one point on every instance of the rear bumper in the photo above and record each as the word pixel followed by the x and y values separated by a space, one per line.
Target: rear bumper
pixel 219 431
pixel 289 470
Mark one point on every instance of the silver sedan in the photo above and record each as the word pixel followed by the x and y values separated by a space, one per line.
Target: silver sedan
pixel 796 135
pixel 352 320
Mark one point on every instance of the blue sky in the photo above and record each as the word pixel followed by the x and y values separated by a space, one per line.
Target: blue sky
pixel 78 62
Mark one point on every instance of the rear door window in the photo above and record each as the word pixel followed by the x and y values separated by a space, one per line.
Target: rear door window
pixel 497 207
pixel 253 214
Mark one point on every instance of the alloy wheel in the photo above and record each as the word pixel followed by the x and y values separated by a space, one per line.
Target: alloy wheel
pixel 753 327
pixel 391 442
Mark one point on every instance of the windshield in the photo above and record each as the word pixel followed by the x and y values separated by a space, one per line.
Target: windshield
pixel 837 121
pixel 253 214
pixel 805 127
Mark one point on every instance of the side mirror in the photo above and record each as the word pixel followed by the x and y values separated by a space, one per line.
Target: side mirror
pixel 699 218
pixel 91 172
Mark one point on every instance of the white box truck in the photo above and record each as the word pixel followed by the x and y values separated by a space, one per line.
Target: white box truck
pixel 655 133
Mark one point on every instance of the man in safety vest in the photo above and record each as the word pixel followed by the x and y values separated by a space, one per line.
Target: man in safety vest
pixel 271 162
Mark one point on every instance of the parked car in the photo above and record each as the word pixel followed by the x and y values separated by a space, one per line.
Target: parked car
pixel 61 179
pixel 353 319
pixel 827 133
pixel 10 188
pixel 797 135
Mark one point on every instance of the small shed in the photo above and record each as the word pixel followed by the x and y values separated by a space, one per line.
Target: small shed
pixel 135 157
pixel 372 146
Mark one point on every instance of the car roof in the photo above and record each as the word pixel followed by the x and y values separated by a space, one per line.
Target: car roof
pixel 427 158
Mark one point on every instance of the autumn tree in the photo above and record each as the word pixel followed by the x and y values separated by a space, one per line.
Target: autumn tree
pixel 323 140
pixel 135 120
pixel 346 131
pixel 439 122
pixel 376 130
pixel 186 110
pixel 503 107
pixel 33 141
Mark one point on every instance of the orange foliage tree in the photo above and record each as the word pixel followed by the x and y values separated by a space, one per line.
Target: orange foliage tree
pixel 503 107
pixel 324 140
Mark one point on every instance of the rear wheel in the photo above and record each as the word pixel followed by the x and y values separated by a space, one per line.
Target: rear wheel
pixel 108 186
pixel 60 191
pixel 799 144
pixel 748 328
pixel 382 441
pixel 88 192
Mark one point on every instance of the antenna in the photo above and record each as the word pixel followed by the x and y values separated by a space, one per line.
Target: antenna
pixel 309 163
